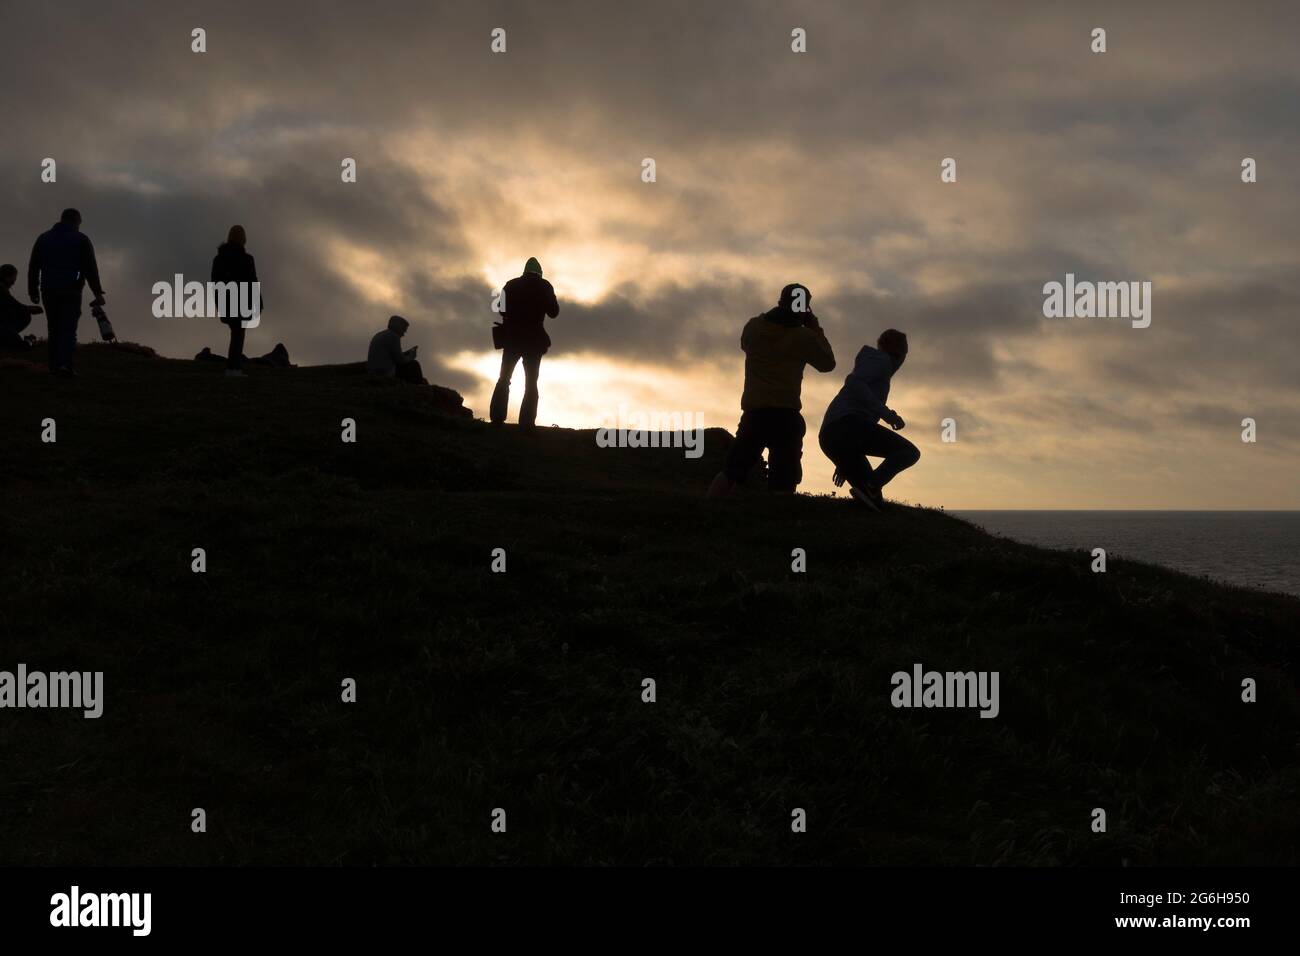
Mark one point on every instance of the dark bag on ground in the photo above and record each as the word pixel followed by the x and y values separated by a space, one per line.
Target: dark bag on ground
pixel 278 357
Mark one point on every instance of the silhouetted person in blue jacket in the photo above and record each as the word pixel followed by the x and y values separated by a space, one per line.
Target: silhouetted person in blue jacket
pixel 61 266
pixel 851 428
pixel 529 301
pixel 14 316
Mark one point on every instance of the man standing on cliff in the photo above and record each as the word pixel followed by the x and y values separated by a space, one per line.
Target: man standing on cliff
pixel 61 266
pixel 529 301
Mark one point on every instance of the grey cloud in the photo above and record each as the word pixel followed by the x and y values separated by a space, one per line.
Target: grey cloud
pixel 1119 167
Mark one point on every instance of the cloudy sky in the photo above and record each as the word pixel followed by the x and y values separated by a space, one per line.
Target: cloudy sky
pixel 772 167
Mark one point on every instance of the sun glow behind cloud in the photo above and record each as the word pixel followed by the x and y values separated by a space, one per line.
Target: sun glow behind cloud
pixel 365 270
pixel 578 273
pixel 584 391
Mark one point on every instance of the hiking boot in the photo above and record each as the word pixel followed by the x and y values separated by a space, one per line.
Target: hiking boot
pixel 870 497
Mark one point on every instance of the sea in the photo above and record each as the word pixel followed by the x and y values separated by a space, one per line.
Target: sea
pixel 1257 549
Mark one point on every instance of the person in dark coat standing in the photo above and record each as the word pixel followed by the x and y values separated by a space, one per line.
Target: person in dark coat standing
pixel 529 301
pixel 233 264
pixel 61 266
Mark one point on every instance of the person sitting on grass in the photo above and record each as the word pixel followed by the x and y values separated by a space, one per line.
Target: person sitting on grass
pixel 387 358
pixel 851 428
pixel 14 316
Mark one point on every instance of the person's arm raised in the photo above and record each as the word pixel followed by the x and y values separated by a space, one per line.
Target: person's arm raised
pixel 820 354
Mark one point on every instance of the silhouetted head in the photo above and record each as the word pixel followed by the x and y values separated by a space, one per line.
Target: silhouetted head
pixel 8 275
pixel 398 324
pixel 237 237
pixel 71 218
pixel 796 298
pixel 894 344
pixel 533 267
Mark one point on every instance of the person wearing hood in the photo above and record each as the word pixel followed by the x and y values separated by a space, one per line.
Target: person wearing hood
pixel 529 301
pixel 233 264
pixel 777 345
pixel 62 264
pixel 851 428
pixel 387 358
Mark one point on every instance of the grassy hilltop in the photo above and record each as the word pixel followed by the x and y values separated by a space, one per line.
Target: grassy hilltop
pixel 523 690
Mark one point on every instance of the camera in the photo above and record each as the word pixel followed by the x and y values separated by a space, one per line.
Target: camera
pixel 105 327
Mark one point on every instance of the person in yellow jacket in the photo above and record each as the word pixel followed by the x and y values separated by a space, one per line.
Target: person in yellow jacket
pixel 777 345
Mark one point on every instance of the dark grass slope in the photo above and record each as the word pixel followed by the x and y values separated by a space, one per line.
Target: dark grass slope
pixel 522 690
